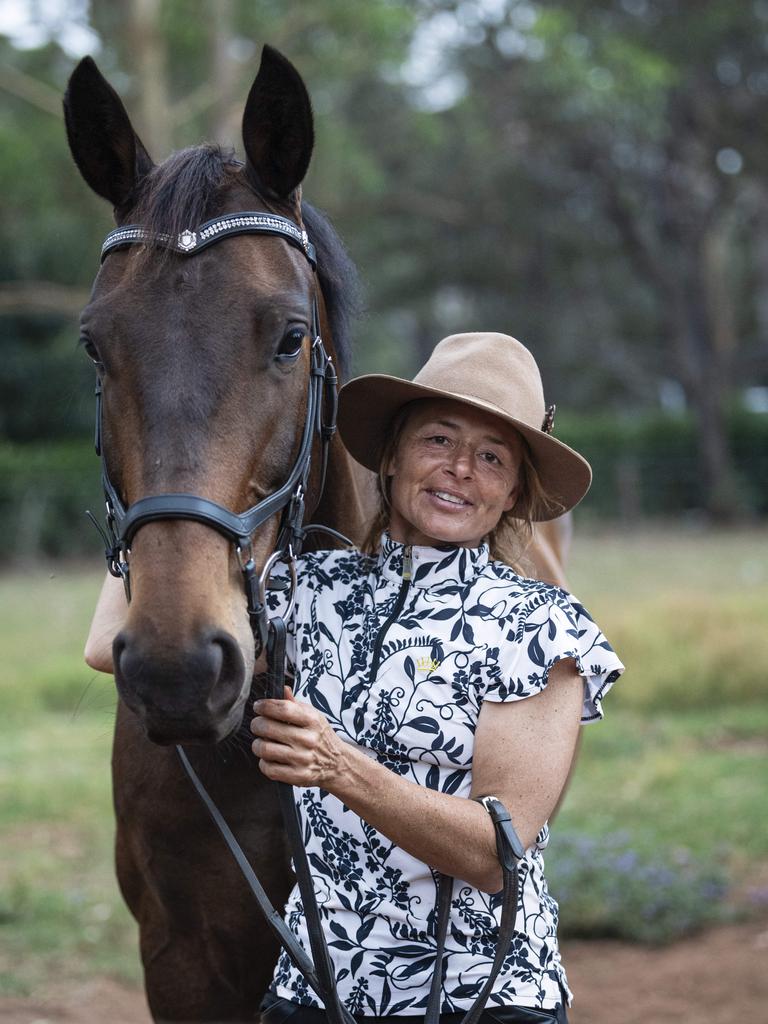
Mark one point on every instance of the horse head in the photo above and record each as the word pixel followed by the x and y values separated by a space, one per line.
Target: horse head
pixel 203 363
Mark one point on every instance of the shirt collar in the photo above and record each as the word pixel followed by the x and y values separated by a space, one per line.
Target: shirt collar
pixel 432 566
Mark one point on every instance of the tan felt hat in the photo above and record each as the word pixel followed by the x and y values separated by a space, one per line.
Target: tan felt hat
pixel 492 372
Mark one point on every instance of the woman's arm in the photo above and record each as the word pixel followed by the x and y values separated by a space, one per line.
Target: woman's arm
pixel 108 620
pixel 523 752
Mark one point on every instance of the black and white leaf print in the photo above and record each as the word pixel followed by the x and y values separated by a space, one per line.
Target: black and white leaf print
pixel 471 630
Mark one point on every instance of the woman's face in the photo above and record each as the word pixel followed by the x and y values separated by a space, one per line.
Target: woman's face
pixel 454 473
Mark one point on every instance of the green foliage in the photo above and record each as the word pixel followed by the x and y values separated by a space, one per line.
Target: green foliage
pixel 57 403
pixel 648 465
pixel 44 491
pixel 706 655
pixel 567 190
pixel 61 915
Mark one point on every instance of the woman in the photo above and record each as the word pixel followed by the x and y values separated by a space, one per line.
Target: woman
pixel 428 672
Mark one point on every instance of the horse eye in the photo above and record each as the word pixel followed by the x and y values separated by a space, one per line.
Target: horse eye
pixel 91 351
pixel 291 344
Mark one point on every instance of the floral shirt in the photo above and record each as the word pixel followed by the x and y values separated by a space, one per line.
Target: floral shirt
pixel 400 668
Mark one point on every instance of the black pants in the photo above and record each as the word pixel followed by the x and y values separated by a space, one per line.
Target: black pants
pixel 283 1011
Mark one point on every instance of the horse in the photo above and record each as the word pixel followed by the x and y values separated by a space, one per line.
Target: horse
pixel 203 365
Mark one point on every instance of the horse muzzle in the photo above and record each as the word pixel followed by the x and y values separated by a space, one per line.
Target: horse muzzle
pixel 192 695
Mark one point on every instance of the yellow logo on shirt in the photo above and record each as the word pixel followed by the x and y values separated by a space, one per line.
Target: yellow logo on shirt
pixel 428 665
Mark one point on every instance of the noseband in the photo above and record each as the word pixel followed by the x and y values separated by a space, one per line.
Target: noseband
pixel 124 521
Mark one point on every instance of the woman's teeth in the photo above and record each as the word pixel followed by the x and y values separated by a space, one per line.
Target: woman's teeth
pixel 450 497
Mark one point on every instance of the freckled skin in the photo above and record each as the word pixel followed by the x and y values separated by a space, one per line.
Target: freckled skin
pixel 452 448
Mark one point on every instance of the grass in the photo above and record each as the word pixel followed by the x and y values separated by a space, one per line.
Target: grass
pixel 679 766
pixel 61 915
pixel 682 754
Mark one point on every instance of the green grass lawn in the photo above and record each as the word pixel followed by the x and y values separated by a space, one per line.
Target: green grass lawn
pixel 679 764
pixel 60 912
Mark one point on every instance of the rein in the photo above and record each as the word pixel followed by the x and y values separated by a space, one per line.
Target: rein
pixel 123 523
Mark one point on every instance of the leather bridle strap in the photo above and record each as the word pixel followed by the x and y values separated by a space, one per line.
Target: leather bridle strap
pixel 318 971
pixel 274 919
pixel 510 852
pixel 192 241
pixel 123 522
pixel 336 1012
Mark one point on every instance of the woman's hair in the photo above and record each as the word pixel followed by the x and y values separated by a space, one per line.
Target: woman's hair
pixel 509 540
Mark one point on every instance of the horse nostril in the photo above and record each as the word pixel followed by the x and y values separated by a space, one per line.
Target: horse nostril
pixel 231 668
pixel 118 646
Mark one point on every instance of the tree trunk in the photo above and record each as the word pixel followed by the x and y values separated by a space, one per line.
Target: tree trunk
pixel 225 113
pixel 705 374
pixel 148 47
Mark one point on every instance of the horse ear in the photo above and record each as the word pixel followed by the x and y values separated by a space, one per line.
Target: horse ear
pixel 106 149
pixel 277 126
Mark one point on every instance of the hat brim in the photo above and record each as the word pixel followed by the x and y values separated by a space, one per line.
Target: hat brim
pixel 368 404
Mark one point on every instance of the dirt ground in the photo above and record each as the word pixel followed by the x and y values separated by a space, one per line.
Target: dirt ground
pixel 715 978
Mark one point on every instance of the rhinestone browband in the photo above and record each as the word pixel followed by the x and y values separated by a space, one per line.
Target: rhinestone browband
pixel 191 241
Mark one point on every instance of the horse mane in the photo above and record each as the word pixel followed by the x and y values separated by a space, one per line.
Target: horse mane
pixel 339 283
pixel 187 188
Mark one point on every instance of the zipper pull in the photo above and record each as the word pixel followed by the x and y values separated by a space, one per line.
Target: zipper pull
pixel 407 563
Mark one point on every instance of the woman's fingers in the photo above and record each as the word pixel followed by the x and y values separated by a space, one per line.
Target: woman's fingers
pixel 263 725
pixel 294 742
pixel 288 710
pixel 281 753
pixel 286 731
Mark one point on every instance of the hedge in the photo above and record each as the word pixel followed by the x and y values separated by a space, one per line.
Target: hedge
pixel 643 467
pixel 648 466
pixel 44 492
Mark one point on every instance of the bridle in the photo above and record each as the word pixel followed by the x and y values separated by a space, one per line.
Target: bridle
pixel 124 521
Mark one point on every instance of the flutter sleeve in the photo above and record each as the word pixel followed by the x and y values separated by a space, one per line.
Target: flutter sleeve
pixel 549 626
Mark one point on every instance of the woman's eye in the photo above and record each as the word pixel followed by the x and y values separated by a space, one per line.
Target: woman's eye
pixel 440 439
pixel 492 458
pixel 291 344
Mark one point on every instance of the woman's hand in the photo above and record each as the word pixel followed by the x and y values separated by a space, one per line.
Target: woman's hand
pixel 295 744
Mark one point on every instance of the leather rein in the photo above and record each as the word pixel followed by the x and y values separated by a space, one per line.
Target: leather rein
pixel 122 523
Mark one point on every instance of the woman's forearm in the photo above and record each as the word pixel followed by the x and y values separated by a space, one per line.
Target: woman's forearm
pixel 451 834
pixel 523 753
pixel 108 620
pixel 296 744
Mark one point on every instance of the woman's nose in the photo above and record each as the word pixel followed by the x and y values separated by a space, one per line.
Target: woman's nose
pixel 460 462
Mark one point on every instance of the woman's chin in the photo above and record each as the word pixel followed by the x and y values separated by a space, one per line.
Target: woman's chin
pixel 435 533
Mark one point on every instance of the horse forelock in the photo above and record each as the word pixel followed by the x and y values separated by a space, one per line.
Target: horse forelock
pixel 184 190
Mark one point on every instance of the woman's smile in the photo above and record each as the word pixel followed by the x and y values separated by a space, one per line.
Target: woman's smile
pixel 450 498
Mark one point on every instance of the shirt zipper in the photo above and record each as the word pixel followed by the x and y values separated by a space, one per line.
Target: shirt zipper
pixel 396 609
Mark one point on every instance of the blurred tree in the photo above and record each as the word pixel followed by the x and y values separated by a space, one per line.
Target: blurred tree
pixel 637 126
pixel 584 174
pixel 657 116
